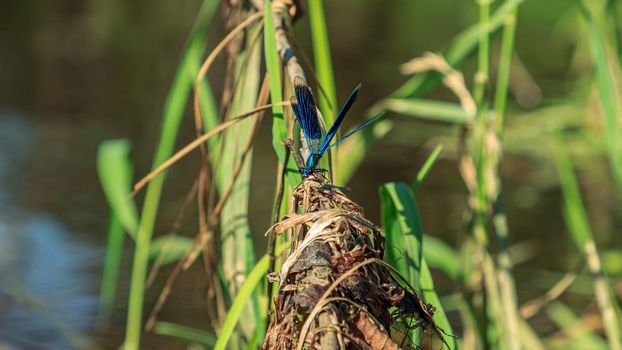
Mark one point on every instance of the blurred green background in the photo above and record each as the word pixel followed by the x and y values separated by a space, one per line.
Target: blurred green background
pixel 76 72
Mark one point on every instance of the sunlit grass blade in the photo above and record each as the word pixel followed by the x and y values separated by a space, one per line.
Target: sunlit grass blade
pixel 169 248
pixel 174 108
pixel 323 62
pixel 235 311
pixel 186 333
pixel 401 226
pixel 115 174
pixel 435 111
pixel 581 232
pixel 426 167
pixel 402 230
pixel 440 318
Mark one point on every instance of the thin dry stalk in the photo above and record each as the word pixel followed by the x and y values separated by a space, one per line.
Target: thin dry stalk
pixel 197 142
pixel 531 308
pixel 203 239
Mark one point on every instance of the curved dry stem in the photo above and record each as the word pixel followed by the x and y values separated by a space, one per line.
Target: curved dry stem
pixel 197 142
pixel 198 117
pixel 236 172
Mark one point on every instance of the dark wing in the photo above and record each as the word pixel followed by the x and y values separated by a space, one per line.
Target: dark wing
pixel 306 112
pixel 325 144
pixel 357 129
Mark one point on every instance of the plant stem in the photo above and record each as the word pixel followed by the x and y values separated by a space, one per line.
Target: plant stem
pixel 581 232
pixel 112 261
pixel 505 65
pixel 499 220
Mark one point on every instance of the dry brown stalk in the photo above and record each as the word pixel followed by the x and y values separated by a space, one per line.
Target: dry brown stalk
pixel 334 290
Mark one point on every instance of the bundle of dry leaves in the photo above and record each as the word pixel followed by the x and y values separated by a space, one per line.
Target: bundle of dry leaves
pixel 334 290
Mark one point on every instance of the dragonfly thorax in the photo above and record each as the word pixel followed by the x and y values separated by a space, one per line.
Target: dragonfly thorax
pixel 312 162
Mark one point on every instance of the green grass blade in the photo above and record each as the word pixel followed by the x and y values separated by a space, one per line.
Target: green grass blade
pixel 169 248
pixel 426 167
pixel 402 229
pixel 581 232
pixel 436 111
pixel 236 239
pixel 323 62
pixel 573 206
pixel 173 112
pixel 241 298
pixel 440 255
pixel 580 337
pixel 505 64
pixel 115 174
pixel 186 333
pixel 607 75
pixel 440 318
pixel 401 225
pixel 112 262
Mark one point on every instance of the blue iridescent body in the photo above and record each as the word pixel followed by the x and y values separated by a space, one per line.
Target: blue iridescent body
pixel 306 114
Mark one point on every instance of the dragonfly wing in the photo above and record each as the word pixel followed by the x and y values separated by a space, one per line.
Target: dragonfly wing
pixel 324 145
pixel 357 129
pixel 306 112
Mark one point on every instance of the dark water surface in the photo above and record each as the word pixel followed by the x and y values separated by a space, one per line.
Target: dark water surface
pixel 74 73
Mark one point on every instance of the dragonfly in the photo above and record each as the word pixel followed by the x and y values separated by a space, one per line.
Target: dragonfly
pixel 306 114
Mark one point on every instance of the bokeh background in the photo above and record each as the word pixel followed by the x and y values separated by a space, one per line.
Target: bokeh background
pixel 76 72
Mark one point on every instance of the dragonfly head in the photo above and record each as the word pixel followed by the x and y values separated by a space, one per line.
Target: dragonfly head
pixel 312 162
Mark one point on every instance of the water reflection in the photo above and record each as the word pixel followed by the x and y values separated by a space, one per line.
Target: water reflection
pixel 45 301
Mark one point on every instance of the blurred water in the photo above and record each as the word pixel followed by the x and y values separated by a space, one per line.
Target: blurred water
pixel 44 270
pixel 44 279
